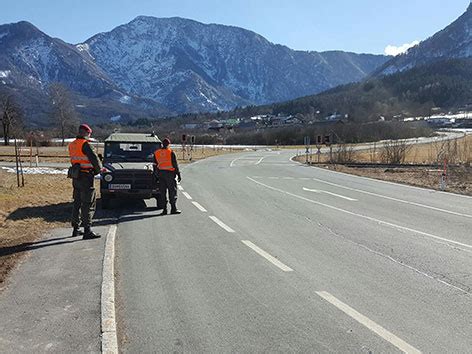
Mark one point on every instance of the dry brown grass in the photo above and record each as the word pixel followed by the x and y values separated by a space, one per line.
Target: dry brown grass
pixel 458 151
pixel 459 180
pixel 27 212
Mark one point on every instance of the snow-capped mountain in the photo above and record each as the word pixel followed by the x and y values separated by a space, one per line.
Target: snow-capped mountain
pixel 453 42
pixel 30 58
pixel 170 65
pixel 191 66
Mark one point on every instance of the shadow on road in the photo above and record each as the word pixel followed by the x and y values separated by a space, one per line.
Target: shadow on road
pixel 30 246
pixel 125 210
pixel 51 213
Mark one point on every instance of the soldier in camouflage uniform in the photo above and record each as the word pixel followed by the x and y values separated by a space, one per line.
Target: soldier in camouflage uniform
pixel 167 170
pixel 88 165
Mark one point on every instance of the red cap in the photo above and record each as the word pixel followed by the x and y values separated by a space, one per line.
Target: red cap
pixel 166 142
pixel 85 127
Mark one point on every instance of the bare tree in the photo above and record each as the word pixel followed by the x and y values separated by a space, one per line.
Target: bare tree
pixel 11 116
pixel 394 151
pixel 63 111
pixel 344 153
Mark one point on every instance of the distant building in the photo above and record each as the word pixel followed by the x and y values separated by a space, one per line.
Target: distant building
pixel 190 126
pixel 214 125
pixel 334 117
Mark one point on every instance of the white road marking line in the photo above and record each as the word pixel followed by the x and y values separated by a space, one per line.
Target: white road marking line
pixel 304 179
pixel 107 301
pixel 288 178
pixel 199 207
pixel 221 224
pixel 326 192
pixel 236 159
pixel 378 221
pixel 391 183
pixel 260 160
pixel 180 187
pixel 365 321
pixel 247 158
pixel 273 177
pixel 187 195
pixel 394 199
pixel 267 256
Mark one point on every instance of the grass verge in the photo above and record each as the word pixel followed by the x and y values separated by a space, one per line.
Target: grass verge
pixel 28 212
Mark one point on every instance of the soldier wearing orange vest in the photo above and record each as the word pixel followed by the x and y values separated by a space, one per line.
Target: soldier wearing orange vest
pixel 167 170
pixel 84 158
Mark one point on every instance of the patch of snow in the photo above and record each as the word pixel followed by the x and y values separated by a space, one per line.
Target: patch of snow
pixel 4 34
pixel 115 118
pixel 5 73
pixel 37 171
pixel 83 47
pixel 125 99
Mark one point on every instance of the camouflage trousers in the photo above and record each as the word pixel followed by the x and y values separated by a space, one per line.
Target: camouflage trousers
pixel 168 184
pixel 84 205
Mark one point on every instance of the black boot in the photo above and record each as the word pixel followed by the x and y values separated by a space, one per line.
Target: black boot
pixel 164 212
pixel 174 210
pixel 76 232
pixel 89 234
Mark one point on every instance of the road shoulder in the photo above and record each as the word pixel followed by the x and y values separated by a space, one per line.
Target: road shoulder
pixel 51 302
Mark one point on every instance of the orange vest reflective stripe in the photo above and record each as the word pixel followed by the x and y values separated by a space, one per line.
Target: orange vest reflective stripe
pixel 164 159
pixel 77 156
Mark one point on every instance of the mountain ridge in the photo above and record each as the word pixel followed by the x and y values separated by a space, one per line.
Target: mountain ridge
pixel 168 51
pixel 172 65
pixel 452 42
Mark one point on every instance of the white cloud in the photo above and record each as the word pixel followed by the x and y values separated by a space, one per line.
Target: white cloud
pixel 394 50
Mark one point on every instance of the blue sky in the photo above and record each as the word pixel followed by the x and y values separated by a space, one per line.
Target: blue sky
pixel 367 26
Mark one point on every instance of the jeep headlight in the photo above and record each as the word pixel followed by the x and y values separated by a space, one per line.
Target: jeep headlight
pixel 108 177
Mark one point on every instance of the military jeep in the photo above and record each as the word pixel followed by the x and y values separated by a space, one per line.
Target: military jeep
pixel 128 168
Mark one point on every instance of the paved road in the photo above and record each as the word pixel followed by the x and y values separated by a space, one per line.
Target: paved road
pixel 278 257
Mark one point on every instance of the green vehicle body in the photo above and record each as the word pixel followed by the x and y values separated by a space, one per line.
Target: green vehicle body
pixel 128 168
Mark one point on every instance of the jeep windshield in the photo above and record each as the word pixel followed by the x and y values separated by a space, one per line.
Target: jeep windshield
pixel 130 152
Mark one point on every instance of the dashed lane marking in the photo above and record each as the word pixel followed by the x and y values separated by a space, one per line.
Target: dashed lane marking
pixel 199 207
pixel 180 187
pixel 187 195
pixel 221 224
pixel 267 256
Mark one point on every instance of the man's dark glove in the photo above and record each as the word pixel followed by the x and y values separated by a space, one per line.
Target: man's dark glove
pixel 179 178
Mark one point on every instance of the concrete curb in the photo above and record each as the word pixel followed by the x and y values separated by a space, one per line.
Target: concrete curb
pixel 108 319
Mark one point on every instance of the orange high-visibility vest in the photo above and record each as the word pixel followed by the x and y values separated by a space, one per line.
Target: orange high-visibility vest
pixel 77 156
pixel 164 159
